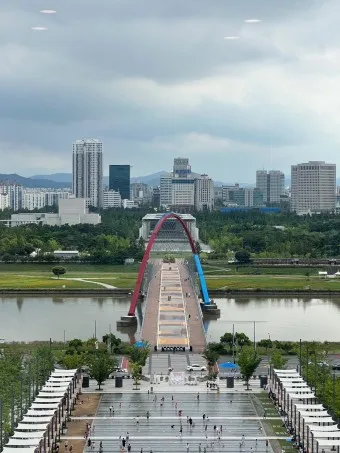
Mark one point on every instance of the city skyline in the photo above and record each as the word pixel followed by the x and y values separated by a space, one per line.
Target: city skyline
pixel 267 98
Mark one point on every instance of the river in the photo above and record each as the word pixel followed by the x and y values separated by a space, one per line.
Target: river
pixel 40 318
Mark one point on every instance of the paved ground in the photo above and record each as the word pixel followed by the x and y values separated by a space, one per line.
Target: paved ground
pixel 161 432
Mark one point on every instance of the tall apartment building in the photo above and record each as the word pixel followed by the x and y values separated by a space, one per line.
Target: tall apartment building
pixel 271 184
pixel 313 187
pixel 88 171
pixel 38 198
pixel 15 194
pixel 4 201
pixel 166 190
pixel 182 194
pixel 119 180
pixel 204 193
pixel 242 197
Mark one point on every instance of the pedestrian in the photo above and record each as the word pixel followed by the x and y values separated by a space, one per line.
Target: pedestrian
pixel 214 428
pixel 180 431
pixel 243 439
pixel 267 444
pixel 141 450
pixel 204 450
pixel 71 448
pixel 127 436
pixel 147 415
pixel 66 444
pixel 203 417
pixel 206 427
pixel 187 418
pixel 100 447
pixel 172 397
pixel 265 414
pixel 120 405
pixel 110 409
pixel 123 442
pixel 198 396
pixel 93 445
pixel 199 448
pixel 251 449
pixel 129 448
pixel 187 447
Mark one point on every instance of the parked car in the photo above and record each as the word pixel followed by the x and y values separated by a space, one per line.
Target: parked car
pixel 336 366
pixel 195 367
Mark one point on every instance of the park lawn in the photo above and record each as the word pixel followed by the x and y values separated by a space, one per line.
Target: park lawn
pixel 70 268
pixel 25 282
pixel 228 269
pixel 271 282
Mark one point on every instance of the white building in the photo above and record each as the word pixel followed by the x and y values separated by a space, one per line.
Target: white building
pixel 71 212
pixel 33 200
pixel 111 199
pixel 166 190
pixel 204 193
pixel 271 184
pixel 313 187
pixel 15 193
pixel 4 201
pixel 38 198
pixel 88 171
pixel 129 204
pixel 182 194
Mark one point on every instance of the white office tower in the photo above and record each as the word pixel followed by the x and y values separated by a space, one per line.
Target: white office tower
pixel 166 190
pixel 204 193
pixel 271 184
pixel 313 187
pixel 88 171
pixel 111 199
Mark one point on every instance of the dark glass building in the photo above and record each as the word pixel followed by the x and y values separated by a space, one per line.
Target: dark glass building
pixel 119 180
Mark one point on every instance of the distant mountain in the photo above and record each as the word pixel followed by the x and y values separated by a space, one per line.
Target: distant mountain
pixel 152 180
pixel 32 183
pixel 58 177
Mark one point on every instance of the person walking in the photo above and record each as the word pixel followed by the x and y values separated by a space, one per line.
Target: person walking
pixel 123 442
pixel 187 447
pixel 110 409
pixel 129 448
pixel 199 448
pixel 66 444
pixel 180 431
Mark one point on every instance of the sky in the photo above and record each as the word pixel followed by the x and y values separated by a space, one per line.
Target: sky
pixel 156 79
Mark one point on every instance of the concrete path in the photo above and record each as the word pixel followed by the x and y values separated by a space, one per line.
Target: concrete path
pixel 77 279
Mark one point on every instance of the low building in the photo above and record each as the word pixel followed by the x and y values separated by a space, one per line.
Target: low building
pixel 66 254
pixel 111 199
pixel 72 211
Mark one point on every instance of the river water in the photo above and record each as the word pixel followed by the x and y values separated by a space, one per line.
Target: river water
pixel 41 318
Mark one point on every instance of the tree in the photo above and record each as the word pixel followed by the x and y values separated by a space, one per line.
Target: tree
pixel 58 270
pixel 241 339
pixel 227 339
pixel 265 343
pixel 138 354
pixel 211 356
pixel 277 360
pixel 100 367
pixel 114 342
pixel 248 361
pixel 136 371
pixel 242 256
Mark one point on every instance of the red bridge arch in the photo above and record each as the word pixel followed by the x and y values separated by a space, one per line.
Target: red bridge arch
pixel 136 291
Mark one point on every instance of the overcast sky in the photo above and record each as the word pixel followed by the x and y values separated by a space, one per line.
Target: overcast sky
pixel 155 79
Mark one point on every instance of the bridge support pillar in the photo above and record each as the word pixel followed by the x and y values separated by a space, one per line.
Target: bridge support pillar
pixel 127 321
pixel 210 309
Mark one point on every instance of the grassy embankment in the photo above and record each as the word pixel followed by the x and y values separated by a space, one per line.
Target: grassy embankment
pixel 218 276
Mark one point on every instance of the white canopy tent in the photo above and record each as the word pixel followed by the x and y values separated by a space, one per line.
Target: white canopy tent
pixel 328 443
pixel 59 380
pixel 333 435
pixel 302 396
pixel 22 442
pixel 302 390
pixel 323 428
pixel 35 420
pixel 45 406
pixel 290 371
pixel 311 414
pixel 28 435
pixel 19 450
pixel 309 420
pixel 47 400
pixel 49 389
pixel 309 407
pixel 32 427
pixel 293 385
pixel 40 413
pixel 52 395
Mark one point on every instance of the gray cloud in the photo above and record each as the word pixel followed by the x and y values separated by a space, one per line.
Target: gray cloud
pixel 155 79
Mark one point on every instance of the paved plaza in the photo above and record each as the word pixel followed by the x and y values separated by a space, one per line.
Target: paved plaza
pixel 155 425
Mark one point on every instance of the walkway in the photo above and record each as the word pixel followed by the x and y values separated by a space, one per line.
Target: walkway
pixel 173 316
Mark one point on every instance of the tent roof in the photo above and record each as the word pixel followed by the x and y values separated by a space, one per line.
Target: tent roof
pixel 295 385
pixel 55 395
pixel 42 400
pixel 20 442
pixel 28 434
pixel 328 443
pixel 60 379
pixel 323 428
pixel 334 435
pixel 40 413
pixel 314 413
pixel 31 426
pixel 310 407
pixel 34 420
pixel 45 406
pixel 291 379
pixel 291 370
pixel 19 450
pixel 55 389
pixel 301 390
pixel 318 420
pixel 302 396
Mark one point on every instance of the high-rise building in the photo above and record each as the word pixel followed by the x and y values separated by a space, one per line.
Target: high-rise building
pixel 15 194
pixel 204 193
pixel 88 171
pixel 181 167
pixel 166 190
pixel 182 194
pixel 119 180
pixel 243 197
pixel 271 184
pixel 313 187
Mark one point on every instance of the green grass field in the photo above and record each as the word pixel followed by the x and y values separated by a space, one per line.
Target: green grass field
pixel 30 276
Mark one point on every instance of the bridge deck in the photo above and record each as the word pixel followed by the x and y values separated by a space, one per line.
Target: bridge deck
pixel 172 315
